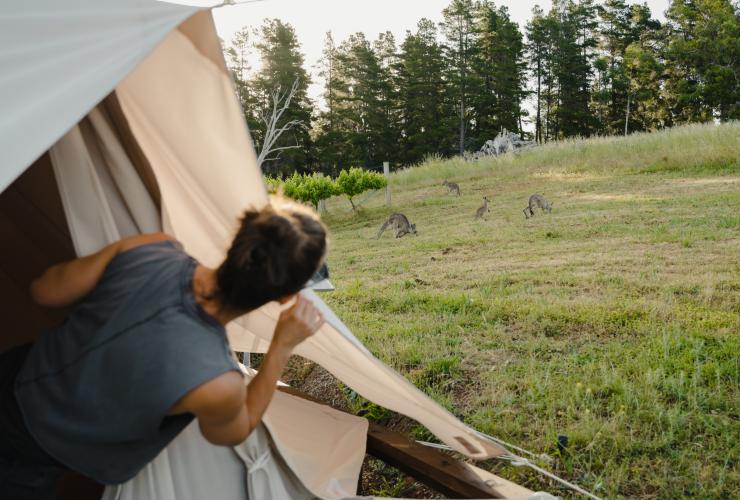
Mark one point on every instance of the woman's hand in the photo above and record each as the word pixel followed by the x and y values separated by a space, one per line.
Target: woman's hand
pixel 225 418
pixel 297 323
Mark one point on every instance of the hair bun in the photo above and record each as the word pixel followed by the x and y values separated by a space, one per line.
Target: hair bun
pixel 275 252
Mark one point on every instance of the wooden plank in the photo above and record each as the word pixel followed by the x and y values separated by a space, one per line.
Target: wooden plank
pixel 509 490
pixel 430 466
pixel 435 468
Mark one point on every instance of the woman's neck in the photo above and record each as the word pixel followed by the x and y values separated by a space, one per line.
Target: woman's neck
pixel 205 286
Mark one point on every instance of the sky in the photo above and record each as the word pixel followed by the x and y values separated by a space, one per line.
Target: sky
pixel 313 18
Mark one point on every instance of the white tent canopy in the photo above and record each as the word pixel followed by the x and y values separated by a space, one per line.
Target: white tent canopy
pixel 177 155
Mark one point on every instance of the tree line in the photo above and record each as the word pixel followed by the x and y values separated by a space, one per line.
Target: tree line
pixel 586 67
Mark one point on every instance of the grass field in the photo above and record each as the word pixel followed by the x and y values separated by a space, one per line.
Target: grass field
pixel 614 320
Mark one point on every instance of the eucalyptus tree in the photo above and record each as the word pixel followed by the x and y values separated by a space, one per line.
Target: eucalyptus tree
pixel 282 73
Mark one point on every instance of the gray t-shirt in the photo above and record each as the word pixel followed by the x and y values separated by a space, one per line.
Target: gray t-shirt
pixel 95 391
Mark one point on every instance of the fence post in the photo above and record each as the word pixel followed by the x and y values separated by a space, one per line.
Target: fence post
pixel 387 173
pixel 322 203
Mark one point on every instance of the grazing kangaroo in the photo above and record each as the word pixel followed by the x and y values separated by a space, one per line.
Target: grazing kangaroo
pixel 483 209
pixel 400 223
pixel 452 187
pixel 535 201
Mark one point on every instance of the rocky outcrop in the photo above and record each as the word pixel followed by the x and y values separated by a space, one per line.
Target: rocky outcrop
pixel 504 142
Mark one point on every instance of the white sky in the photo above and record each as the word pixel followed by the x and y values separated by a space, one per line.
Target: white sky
pixel 313 18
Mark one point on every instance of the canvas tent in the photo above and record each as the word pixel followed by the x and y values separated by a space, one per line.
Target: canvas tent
pixel 119 117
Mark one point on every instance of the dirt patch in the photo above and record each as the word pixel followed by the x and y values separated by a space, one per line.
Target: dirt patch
pixel 707 181
pixel 614 197
pixel 376 477
pixel 322 385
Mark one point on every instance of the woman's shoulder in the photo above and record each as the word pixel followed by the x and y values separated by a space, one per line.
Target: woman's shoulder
pixel 144 247
pixel 142 258
pixel 140 240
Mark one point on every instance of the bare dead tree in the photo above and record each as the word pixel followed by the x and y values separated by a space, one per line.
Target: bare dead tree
pixel 271 118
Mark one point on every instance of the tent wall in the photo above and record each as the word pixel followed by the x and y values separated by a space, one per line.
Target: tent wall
pixel 84 47
pixel 194 137
pixel 118 122
pixel 33 236
pixel 103 196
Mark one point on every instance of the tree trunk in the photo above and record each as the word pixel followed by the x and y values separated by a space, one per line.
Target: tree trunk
pixel 462 126
pixel 627 115
pixel 521 129
pixel 538 122
pixel 462 93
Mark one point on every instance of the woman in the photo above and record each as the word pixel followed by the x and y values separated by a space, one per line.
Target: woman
pixel 143 351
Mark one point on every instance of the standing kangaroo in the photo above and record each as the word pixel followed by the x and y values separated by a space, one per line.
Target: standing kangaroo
pixel 483 209
pixel 535 201
pixel 452 187
pixel 400 223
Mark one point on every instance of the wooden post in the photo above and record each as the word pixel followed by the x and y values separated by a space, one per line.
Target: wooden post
pixel 387 173
pixel 322 203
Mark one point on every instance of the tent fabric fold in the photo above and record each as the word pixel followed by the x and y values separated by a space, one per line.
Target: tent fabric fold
pixel 320 457
pixel 85 47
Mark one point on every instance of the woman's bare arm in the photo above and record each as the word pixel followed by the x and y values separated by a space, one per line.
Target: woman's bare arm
pixel 226 415
pixel 227 410
pixel 66 283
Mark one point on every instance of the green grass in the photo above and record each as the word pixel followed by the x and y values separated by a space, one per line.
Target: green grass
pixel 615 320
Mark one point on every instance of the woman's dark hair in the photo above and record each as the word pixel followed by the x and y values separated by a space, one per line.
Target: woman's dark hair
pixel 276 250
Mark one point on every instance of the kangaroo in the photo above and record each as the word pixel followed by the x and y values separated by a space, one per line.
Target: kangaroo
pixel 535 201
pixel 483 209
pixel 452 187
pixel 400 223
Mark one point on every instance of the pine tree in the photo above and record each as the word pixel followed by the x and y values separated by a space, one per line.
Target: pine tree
pixel 499 73
pixel 702 59
pixel 329 141
pixel 459 30
pixel 644 71
pixel 627 26
pixel 237 59
pixel 572 56
pixel 426 123
pixel 359 104
pixel 549 27
pixel 537 55
pixel 386 54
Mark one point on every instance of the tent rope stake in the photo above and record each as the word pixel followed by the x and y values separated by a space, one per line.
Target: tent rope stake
pixel 518 461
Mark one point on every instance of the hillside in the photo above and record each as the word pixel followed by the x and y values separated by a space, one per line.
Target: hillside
pixel 613 320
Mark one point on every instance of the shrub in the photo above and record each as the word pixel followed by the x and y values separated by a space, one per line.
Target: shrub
pixel 292 186
pixel 272 184
pixel 356 180
pixel 309 188
pixel 317 188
